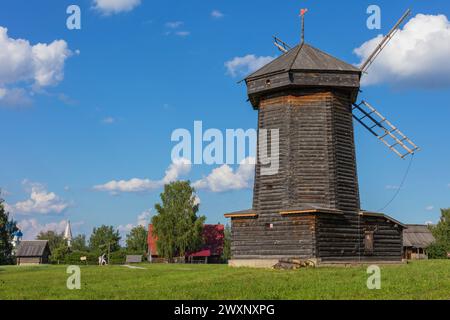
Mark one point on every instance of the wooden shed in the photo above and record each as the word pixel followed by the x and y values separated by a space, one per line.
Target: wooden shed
pixel 416 240
pixel 33 252
pixel 310 208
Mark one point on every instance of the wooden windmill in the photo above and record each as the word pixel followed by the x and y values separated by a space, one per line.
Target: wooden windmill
pixel 311 209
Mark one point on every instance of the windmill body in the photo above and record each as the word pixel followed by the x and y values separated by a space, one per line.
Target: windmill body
pixel 307 95
pixel 310 209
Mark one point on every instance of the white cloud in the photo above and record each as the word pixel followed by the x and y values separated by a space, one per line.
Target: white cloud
pixel 108 7
pixel 49 62
pixel 142 220
pixel 178 168
pixel 174 24
pixel 125 229
pixel 239 66
pixel 132 185
pixel 42 63
pixel 41 201
pixel 217 14
pixel 15 97
pixel 429 208
pixel 197 200
pixel 224 179
pixel 183 33
pixel 4 192
pixel 8 208
pixel 64 98
pixel 429 223
pixel 108 120
pixel 21 63
pixel 417 55
pixel 32 227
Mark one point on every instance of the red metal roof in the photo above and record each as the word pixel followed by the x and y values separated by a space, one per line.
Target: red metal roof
pixel 203 253
pixel 151 240
pixel 213 235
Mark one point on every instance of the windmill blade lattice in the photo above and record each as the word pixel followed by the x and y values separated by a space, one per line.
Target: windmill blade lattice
pixel 281 45
pixel 384 130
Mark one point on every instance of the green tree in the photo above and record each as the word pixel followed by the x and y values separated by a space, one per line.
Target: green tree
pixel 226 255
pixel 441 232
pixel 104 239
pixel 59 253
pixel 137 240
pixel 437 251
pixel 55 240
pixel 177 225
pixel 7 228
pixel 79 243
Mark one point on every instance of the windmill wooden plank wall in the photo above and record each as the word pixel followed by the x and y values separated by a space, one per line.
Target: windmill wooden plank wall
pixel 310 209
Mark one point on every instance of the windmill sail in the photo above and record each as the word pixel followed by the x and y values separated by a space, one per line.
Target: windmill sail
pixel 366 65
pixel 281 45
pixel 384 130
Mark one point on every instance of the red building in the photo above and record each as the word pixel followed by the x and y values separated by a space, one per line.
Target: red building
pixel 210 252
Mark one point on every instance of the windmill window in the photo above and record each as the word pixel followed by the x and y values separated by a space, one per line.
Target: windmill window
pixel 269 226
pixel 368 242
pixel 268 83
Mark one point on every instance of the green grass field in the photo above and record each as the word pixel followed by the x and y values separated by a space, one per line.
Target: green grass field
pixel 417 280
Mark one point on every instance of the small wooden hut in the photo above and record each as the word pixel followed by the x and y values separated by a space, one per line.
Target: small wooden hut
pixel 33 252
pixel 416 240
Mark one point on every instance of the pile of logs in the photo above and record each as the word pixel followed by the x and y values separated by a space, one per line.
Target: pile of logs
pixel 294 264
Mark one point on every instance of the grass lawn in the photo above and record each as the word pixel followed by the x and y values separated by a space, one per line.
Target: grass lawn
pixel 417 280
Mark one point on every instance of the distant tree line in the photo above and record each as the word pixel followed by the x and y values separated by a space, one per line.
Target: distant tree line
pixel 177 226
pixel 103 240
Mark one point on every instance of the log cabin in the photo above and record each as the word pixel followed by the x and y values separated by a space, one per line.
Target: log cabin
pixel 33 252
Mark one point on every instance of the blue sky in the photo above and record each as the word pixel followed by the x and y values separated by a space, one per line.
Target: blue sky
pixel 103 108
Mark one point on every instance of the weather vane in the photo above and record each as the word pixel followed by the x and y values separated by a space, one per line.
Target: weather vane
pixel 283 46
pixel 302 15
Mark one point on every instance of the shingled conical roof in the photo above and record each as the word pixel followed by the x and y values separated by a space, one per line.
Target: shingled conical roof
pixel 302 67
pixel 304 57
